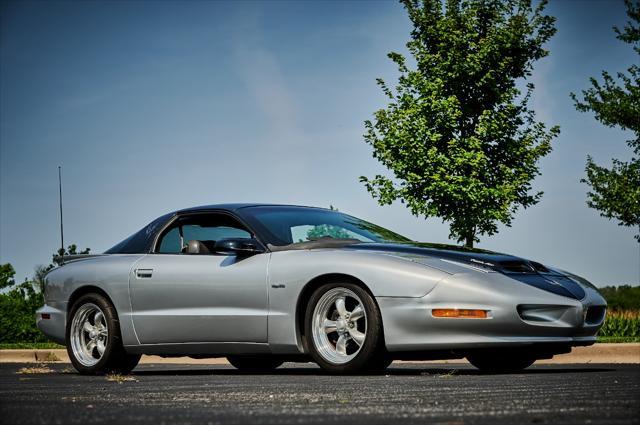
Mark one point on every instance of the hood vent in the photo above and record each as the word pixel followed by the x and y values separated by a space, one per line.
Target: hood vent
pixel 517 266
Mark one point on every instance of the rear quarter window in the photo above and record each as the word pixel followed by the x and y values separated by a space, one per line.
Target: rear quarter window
pixel 141 241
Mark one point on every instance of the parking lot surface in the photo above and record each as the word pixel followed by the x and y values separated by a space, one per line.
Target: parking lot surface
pixel 301 393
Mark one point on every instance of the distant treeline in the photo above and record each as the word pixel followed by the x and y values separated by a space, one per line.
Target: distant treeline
pixel 624 297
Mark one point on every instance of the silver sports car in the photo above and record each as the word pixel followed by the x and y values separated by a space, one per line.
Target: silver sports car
pixel 264 284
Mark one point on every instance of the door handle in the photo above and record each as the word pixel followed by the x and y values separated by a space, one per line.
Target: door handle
pixel 144 273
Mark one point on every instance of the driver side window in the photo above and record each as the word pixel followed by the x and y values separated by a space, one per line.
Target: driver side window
pixel 203 230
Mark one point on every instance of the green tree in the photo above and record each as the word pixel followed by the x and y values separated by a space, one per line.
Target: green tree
pixel 6 276
pixel 622 297
pixel 615 191
pixel 457 134
pixel 18 304
pixel 72 249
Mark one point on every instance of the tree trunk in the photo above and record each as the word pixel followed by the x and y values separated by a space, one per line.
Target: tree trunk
pixel 470 237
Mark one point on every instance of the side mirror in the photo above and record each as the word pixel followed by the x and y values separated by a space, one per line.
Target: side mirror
pixel 238 246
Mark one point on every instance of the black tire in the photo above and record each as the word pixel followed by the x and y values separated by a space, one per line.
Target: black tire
pixel 371 355
pixel 255 363
pixel 114 359
pixel 504 361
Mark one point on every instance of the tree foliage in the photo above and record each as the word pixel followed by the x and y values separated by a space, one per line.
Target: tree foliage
pixel 615 102
pixel 457 134
pixel 17 308
pixel 622 297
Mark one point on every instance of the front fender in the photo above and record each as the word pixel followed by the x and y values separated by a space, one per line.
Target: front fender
pixel 384 275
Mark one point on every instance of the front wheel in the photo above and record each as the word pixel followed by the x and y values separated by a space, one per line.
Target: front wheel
pixel 255 363
pixel 94 343
pixel 343 329
pixel 500 362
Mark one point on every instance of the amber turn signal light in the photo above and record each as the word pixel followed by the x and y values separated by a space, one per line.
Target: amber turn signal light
pixel 459 313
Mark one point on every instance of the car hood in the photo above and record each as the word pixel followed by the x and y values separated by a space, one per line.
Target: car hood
pixel 522 270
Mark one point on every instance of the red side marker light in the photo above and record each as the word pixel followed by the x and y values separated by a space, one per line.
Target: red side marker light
pixel 45 316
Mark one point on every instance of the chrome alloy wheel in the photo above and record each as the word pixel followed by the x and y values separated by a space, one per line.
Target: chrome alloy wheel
pixel 339 325
pixel 89 334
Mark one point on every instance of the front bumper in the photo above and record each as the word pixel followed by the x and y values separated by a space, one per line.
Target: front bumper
pixel 520 315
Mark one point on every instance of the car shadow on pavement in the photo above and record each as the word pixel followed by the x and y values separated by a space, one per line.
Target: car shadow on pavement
pixel 392 371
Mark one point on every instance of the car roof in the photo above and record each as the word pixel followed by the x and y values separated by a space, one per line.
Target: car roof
pixel 238 206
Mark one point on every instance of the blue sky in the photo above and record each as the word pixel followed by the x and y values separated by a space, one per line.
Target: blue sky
pixel 154 106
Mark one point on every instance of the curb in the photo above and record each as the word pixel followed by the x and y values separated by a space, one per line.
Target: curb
pixel 628 353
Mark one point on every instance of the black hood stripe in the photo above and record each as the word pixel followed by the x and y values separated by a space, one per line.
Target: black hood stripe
pixel 525 271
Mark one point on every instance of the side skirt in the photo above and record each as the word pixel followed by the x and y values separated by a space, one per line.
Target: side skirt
pixel 206 349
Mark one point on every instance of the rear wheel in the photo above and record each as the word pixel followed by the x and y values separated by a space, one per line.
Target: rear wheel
pixel 500 361
pixel 94 343
pixel 343 329
pixel 255 363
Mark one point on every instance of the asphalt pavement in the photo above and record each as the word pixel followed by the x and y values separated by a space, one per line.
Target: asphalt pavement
pixel 302 394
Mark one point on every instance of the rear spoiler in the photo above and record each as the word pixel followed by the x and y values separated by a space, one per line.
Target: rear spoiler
pixel 75 257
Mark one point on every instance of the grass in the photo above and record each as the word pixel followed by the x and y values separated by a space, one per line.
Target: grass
pixel 31 346
pixel 115 377
pixel 618 339
pixel 34 370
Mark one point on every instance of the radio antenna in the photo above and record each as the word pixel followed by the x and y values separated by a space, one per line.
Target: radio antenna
pixel 61 226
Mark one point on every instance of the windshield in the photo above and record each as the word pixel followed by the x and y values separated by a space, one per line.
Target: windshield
pixel 290 225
